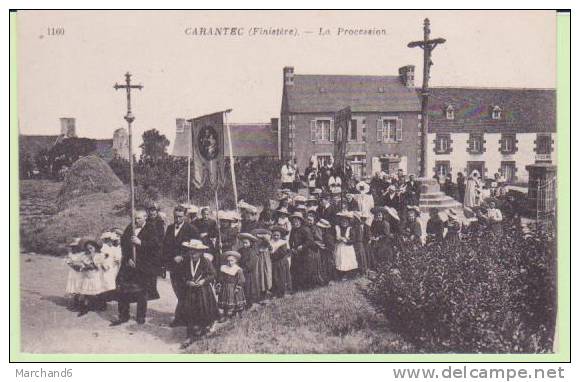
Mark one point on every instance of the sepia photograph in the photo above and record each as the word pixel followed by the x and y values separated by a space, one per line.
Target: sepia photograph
pixel 288 182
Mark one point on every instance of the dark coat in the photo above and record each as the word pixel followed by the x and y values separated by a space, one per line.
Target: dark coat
pixel 200 305
pixel 327 213
pixel 303 249
pixel 142 278
pixel 172 244
pixel 435 229
pixel 207 230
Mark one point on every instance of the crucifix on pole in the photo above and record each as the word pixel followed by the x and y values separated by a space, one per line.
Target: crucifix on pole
pixel 428 45
pixel 129 117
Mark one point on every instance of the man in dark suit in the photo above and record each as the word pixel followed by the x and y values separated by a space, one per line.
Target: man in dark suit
pixel 177 233
pixel 137 278
pixel 326 210
pixel 412 191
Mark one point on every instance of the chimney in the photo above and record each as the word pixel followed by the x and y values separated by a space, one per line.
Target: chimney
pixel 68 128
pixel 288 75
pixel 407 76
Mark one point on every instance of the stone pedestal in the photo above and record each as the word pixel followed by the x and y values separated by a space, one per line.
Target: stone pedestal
pixel 541 187
pixel 433 197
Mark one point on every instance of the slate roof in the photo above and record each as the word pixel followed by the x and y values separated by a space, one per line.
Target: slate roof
pixel 330 93
pixel 522 110
pixel 252 140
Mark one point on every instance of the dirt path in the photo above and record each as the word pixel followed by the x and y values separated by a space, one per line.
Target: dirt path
pixel 48 327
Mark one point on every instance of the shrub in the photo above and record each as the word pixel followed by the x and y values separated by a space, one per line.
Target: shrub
pixel 487 293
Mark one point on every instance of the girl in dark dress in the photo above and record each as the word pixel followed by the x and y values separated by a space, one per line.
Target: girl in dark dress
pixel 249 263
pixel 327 250
pixel 281 277
pixel 381 238
pixel 231 285
pixel 435 227
pixel 200 306
pixel 359 238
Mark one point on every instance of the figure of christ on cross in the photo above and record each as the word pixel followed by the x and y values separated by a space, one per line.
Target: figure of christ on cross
pixel 428 45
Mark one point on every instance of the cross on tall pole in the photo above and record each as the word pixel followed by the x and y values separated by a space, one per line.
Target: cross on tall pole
pixel 428 45
pixel 129 117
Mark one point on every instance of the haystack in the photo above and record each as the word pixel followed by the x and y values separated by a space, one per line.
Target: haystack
pixel 88 175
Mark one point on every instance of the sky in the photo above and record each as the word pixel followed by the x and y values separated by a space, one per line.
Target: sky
pixel 72 75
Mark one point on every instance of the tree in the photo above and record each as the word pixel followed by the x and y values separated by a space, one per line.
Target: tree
pixel 154 147
pixel 68 151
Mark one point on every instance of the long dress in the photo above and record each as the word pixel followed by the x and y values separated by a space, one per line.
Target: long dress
pixel 303 255
pixel 281 277
pixel 314 261
pixel 231 294
pixel 327 254
pixel 472 191
pixel 75 277
pixel 360 238
pixel 249 263
pixel 264 271
pixel 381 247
pixel 200 306
pixel 92 281
pixel 344 254
pixel 111 259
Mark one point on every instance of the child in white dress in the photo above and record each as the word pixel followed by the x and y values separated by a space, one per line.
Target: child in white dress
pixel 92 281
pixel 344 253
pixel 75 276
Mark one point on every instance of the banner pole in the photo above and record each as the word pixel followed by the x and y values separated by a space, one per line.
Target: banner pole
pixel 232 166
pixel 189 178
pixel 217 218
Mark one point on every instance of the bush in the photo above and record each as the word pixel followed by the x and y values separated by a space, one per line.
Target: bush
pixel 487 293
pixel 257 180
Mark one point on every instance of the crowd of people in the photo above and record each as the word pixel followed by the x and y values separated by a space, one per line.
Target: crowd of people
pixel 221 263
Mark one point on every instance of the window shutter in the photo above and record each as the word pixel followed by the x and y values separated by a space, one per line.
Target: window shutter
pixel 363 130
pixel 313 131
pixel 331 132
pixel 379 130
pixel 399 130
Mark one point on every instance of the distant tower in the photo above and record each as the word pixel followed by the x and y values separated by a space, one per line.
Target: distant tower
pixel 68 128
pixel 121 143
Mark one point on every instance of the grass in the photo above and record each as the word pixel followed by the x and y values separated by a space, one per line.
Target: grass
pixel 329 320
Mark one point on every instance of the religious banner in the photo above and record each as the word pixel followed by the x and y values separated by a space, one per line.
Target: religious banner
pixel 207 139
pixel 341 123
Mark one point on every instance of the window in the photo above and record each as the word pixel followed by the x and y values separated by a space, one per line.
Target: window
pixel 496 113
pixel 544 144
pixel 450 113
pixel 508 170
pixel 443 144
pixel 475 144
pixel 389 130
pixel 358 164
pixel 353 130
pixel 508 144
pixel 322 130
pixel 323 160
pixel 442 168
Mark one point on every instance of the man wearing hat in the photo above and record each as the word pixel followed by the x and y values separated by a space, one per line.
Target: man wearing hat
pixel 177 233
pixel 137 277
